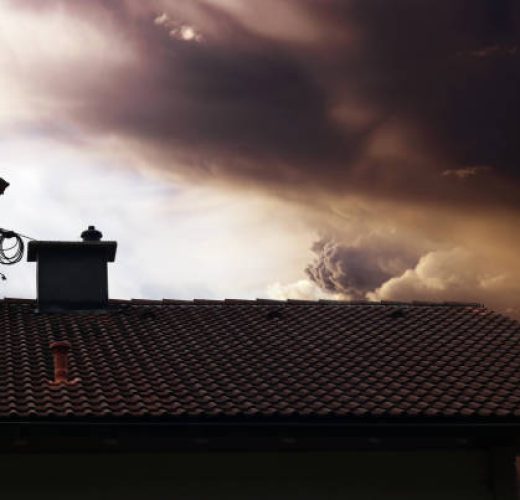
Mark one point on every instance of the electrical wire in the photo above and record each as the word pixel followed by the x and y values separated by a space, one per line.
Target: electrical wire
pixel 13 253
pixel 26 237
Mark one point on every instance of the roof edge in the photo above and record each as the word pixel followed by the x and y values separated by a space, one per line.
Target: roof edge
pixel 262 301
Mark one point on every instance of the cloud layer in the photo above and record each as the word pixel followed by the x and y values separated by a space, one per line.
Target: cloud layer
pixel 378 98
pixel 398 119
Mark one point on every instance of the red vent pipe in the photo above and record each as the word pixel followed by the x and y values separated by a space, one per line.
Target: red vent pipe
pixel 60 353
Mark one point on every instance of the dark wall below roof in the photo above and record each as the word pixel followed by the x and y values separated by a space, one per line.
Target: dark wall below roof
pixel 450 475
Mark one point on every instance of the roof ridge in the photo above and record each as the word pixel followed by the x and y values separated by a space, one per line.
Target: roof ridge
pixel 263 301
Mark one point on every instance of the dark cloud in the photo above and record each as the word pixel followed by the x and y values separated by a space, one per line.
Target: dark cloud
pixel 240 104
pixel 415 63
pixel 383 109
pixel 353 271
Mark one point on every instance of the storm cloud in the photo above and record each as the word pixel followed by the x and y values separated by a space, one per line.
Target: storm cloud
pixel 353 271
pixel 374 97
pixel 400 114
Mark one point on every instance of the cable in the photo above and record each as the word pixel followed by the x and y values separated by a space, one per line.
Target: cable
pixel 13 253
pixel 26 237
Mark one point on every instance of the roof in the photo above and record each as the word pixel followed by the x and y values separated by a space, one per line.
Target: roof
pixel 261 359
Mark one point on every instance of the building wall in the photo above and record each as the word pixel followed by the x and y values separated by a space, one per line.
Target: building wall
pixel 435 475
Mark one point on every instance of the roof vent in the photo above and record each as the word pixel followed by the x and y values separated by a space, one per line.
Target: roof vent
pixel 60 353
pixel 274 314
pixel 72 275
pixel 398 313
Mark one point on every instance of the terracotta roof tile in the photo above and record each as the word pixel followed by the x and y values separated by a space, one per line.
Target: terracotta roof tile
pixel 212 358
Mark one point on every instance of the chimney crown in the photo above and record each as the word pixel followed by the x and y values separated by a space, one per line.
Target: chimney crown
pixel 72 275
pixel 91 234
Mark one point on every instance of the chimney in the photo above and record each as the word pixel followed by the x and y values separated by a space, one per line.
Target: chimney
pixel 72 275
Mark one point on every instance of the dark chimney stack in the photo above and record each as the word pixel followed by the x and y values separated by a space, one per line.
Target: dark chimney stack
pixel 72 275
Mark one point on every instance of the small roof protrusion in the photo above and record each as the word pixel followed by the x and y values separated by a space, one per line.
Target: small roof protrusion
pixel 60 353
pixel 91 234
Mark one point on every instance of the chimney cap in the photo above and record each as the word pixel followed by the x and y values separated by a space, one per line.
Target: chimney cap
pixel 91 234
pixel 60 346
pixel 34 247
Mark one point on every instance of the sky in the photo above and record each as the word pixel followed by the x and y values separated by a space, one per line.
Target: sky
pixel 354 149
